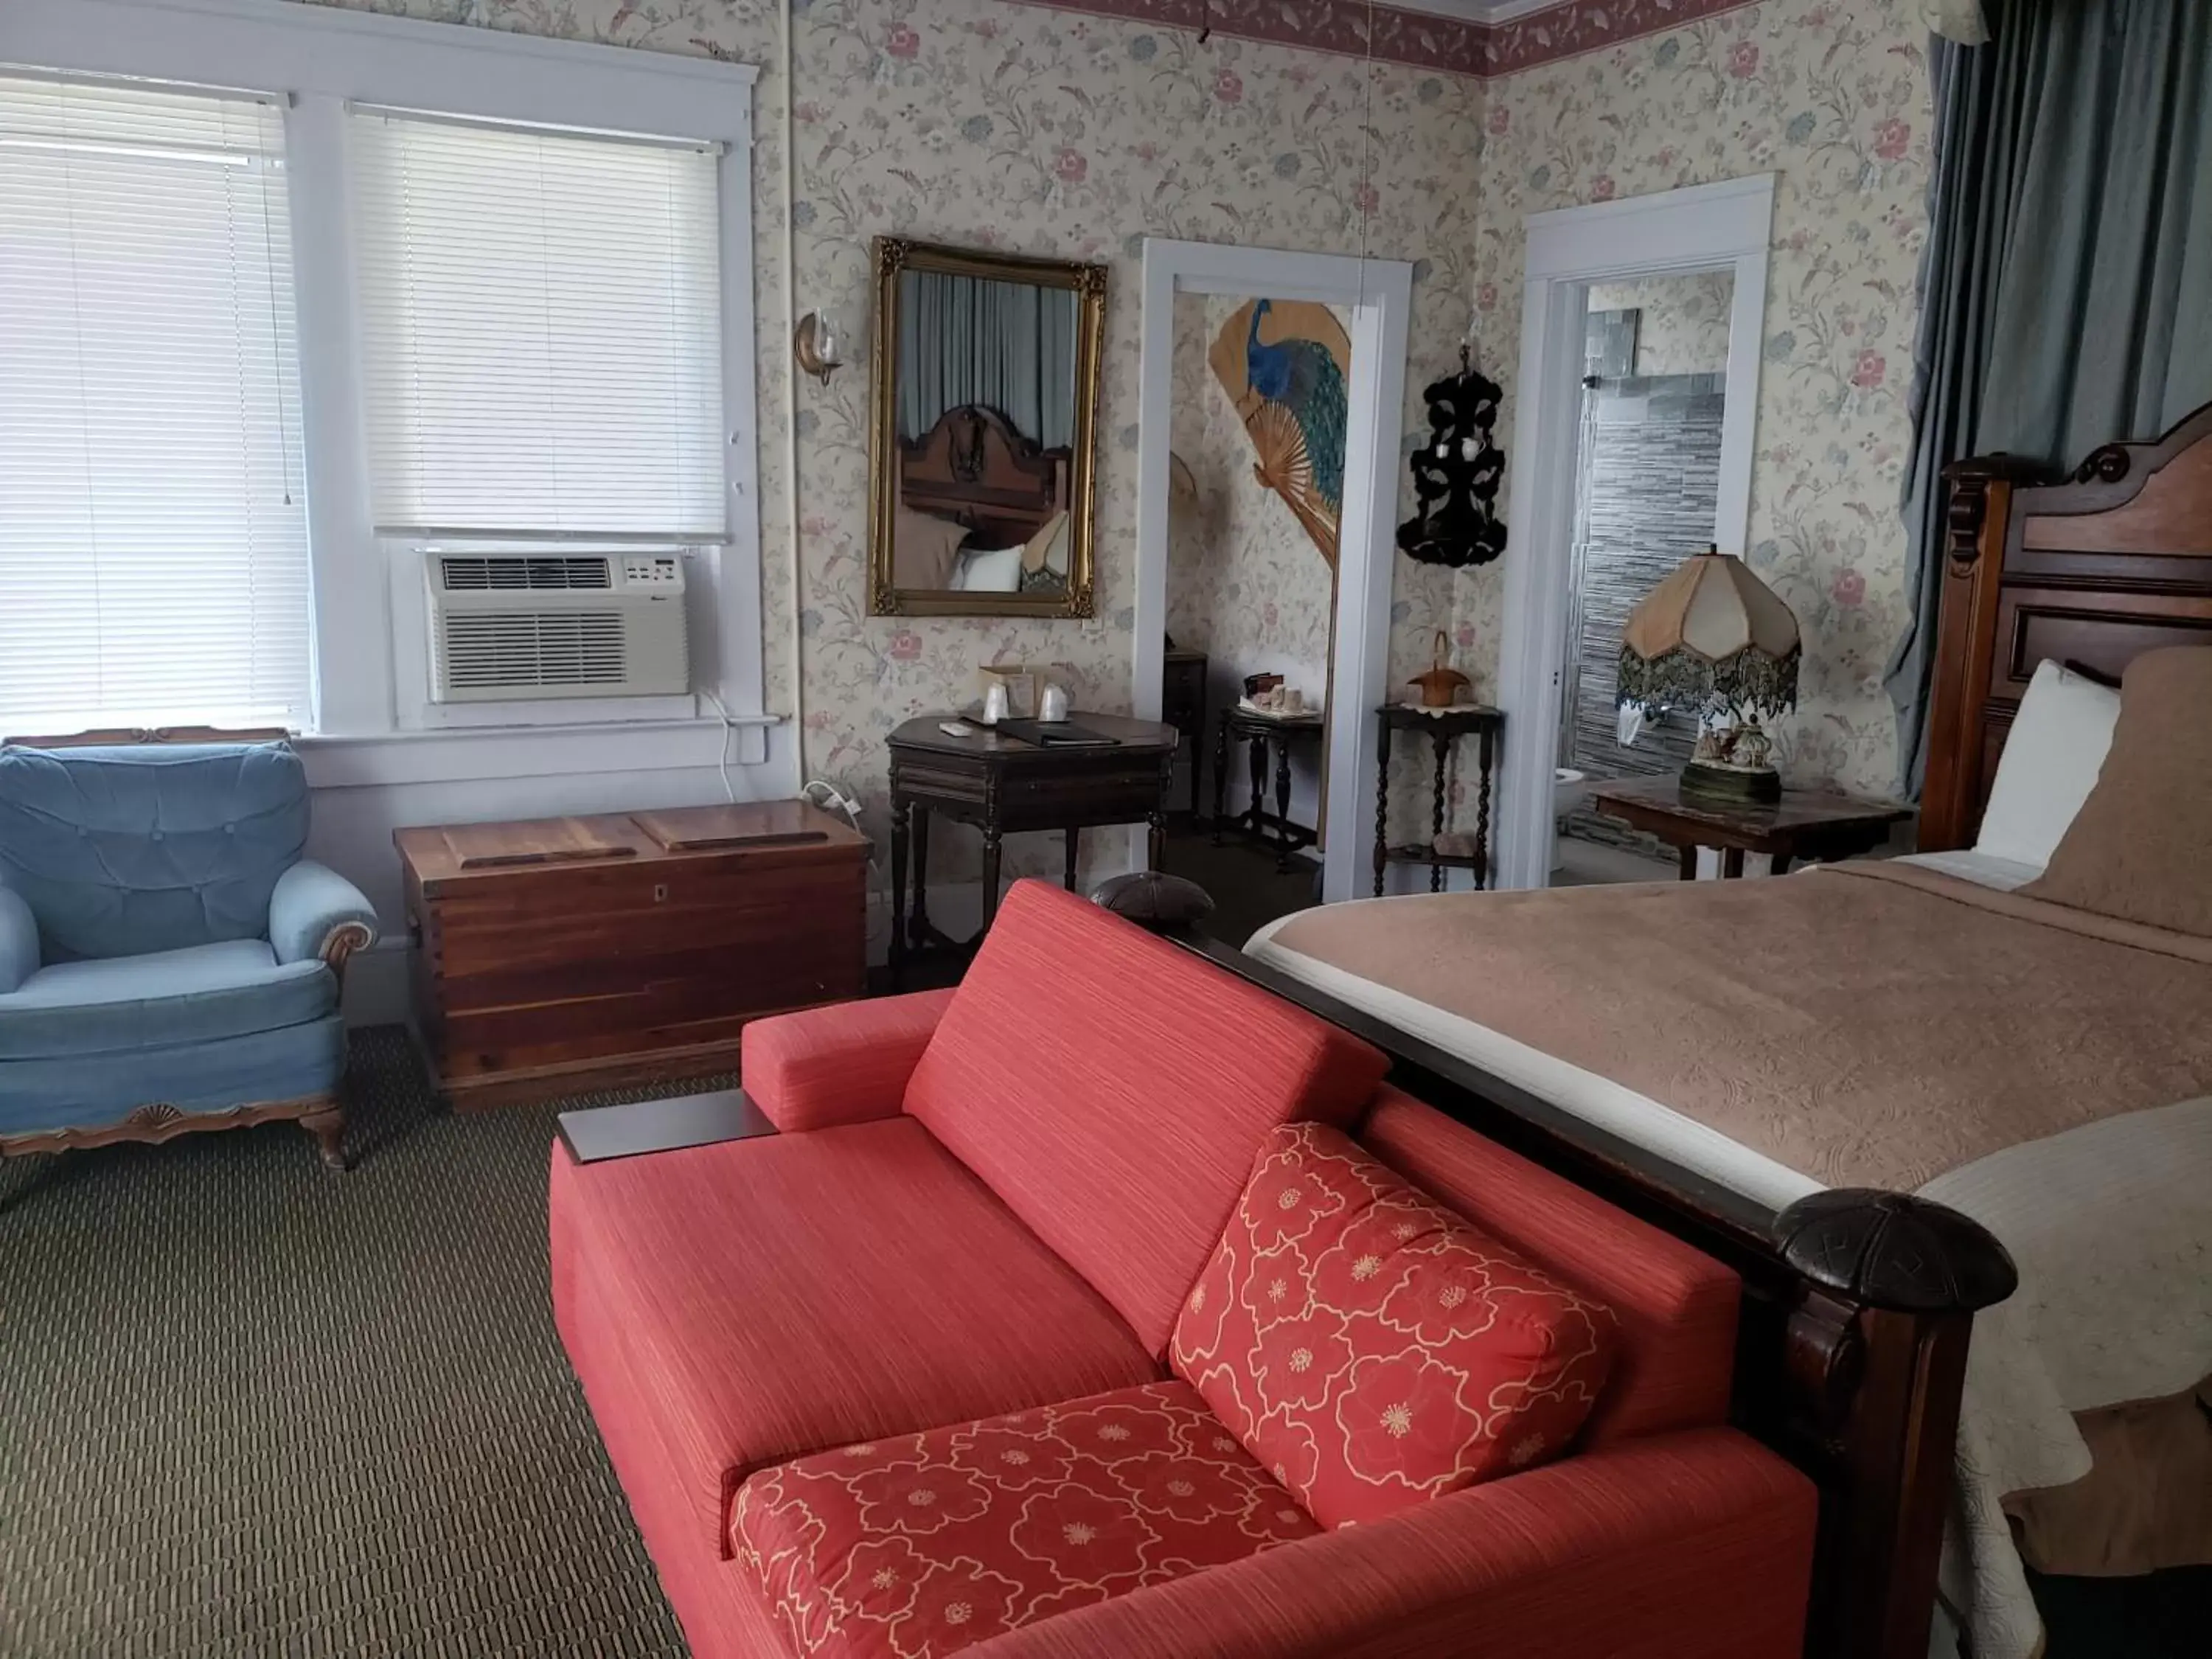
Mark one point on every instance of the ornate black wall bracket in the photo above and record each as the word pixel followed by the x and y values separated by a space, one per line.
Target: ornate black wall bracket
pixel 1456 474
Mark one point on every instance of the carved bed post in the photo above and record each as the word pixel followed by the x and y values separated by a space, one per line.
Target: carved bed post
pixel 1975 530
pixel 1876 1351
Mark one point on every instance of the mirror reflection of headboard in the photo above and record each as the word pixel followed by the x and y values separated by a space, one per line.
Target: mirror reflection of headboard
pixel 974 468
pixel 2093 571
pixel 984 407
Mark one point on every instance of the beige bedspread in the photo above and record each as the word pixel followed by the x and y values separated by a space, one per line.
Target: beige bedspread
pixel 1868 1026
pixel 2041 1069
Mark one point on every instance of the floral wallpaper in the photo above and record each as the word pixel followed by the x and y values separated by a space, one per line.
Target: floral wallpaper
pixel 1246 585
pixel 1833 98
pixel 1091 133
pixel 1094 132
pixel 1682 321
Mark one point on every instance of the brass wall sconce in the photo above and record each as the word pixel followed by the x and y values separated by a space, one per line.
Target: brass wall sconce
pixel 818 344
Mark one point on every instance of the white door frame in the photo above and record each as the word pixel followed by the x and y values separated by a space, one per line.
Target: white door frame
pixel 1700 228
pixel 1379 294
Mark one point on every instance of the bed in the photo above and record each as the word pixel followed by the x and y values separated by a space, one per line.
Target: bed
pixel 2061 1105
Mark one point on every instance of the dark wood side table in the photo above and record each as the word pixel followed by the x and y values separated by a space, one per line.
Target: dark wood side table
pixel 1443 727
pixel 1805 823
pixel 1004 787
pixel 1182 705
pixel 1271 830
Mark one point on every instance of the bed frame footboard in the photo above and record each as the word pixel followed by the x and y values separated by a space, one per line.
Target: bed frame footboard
pixel 1858 1306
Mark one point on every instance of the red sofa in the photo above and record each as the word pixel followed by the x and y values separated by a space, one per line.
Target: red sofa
pixel 989 1207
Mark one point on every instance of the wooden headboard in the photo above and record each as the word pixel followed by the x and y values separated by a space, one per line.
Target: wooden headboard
pixel 975 467
pixel 2094 571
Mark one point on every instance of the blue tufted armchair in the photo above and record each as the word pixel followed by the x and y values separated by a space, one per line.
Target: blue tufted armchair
pixel 169 962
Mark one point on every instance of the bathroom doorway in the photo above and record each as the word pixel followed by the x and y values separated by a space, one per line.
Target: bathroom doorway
pixel 1632 445
pixel 1647 487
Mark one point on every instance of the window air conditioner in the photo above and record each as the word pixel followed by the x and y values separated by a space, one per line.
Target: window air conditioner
pixel 515 627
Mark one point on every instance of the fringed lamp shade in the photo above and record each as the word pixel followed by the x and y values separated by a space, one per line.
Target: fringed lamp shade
pixel 1716 638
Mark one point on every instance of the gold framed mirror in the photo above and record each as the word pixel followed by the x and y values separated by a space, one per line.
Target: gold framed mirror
pixel 984 417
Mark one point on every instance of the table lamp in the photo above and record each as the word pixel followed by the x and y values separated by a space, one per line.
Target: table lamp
pixel 1715 637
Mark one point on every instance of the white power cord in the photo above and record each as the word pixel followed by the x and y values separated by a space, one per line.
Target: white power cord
pixel 830 799
pixel 722 754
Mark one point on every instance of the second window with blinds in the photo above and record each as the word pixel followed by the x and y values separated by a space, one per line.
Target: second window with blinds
pixel 541 368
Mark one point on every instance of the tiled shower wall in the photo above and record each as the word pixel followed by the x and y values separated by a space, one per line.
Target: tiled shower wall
pixel 1649 479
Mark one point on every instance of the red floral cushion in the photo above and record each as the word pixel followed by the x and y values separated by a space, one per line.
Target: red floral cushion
pixel 1372 1347
pixel 932 1542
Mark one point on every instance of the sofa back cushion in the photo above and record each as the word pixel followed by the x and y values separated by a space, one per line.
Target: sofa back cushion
pixel 123 850
pixel 1112 1088
pixel 1371 1347
pixel 1676 1305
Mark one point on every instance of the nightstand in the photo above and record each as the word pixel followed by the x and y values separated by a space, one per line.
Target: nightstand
pixel 1805 823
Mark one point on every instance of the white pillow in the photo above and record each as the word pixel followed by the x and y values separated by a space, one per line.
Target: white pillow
pixel 992 570
pixel 2058 742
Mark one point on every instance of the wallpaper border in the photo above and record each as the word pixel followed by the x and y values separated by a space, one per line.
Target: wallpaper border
pixel 1417 40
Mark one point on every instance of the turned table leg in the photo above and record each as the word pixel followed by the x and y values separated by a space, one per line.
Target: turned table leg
pixel 1437 813
pixel 900 813
pixel 1256 756
pixel 1482 818
pixel 1382 806
pixel 991 840
pixel 917 922
pixel 1220 774
pixel 1074 845
pixel 1283 802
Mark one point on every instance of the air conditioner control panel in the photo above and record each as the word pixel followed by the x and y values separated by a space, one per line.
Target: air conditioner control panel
pixel 651 570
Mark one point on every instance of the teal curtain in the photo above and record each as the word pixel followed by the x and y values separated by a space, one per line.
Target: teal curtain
pixel 1010 346
pixel 2066 288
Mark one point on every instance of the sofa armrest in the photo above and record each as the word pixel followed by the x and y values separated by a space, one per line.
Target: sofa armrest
pixel 1695 1543
pixel 846 1063
pixel 317 912
pixel 18 940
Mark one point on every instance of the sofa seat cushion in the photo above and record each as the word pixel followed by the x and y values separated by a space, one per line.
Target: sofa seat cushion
pixel 1374 1349
pixel 929 1543
pixel 201 993
pixel 1112 1088
pixel 758 1300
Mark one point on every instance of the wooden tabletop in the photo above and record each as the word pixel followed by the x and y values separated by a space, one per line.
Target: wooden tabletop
pixel 1306 719
pixel 923 732
pixel 1812 821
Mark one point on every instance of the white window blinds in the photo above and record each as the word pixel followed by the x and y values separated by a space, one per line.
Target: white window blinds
pixel 541 315
pixel 153 530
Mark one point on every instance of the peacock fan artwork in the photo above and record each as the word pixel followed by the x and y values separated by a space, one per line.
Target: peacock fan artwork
pixel 1283 365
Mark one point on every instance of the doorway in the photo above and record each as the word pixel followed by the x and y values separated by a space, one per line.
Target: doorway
pixel 1367 303
pixel 1639 391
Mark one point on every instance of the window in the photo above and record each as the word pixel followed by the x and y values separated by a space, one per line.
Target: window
pixel 296 300
pixel 154 557
pixel 541 328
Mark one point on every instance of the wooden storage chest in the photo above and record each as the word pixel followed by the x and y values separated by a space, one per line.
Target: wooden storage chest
pixel 562 955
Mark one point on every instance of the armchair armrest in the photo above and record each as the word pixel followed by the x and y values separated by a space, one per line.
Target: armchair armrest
pixel 846 1063
pixel 18 940
pixel 317 912
pixel 1696 1543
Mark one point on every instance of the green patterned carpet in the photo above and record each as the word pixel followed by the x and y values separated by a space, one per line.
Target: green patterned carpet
pixel 248 1406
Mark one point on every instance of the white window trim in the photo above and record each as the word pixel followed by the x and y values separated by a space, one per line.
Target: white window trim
pixel 321 59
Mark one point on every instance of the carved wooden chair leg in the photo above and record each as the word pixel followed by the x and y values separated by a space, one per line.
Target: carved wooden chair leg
pixel 328 1127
